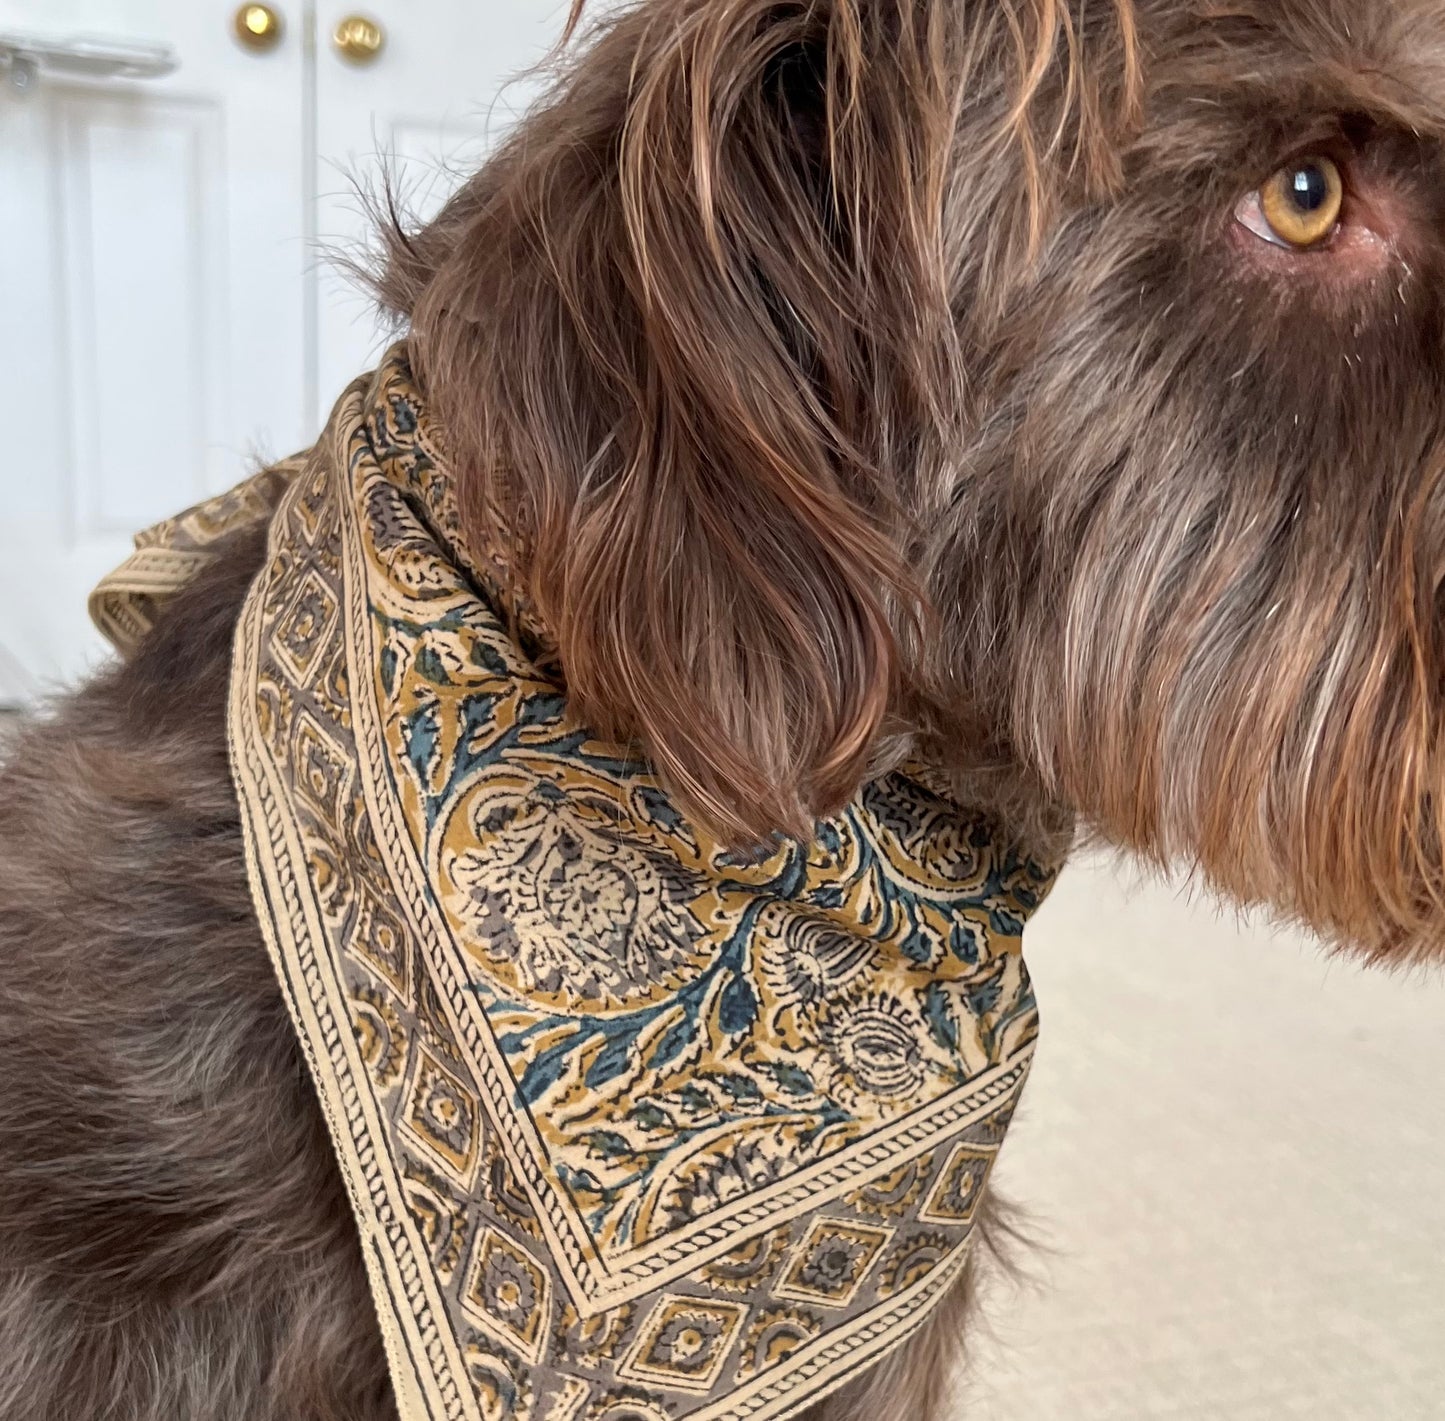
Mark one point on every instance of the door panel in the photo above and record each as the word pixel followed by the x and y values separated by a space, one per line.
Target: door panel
pixel 141 221
pixel 152 285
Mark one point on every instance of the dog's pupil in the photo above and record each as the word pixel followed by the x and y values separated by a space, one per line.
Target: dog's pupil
pixel 1309 188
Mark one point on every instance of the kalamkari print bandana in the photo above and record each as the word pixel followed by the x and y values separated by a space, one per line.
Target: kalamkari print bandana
pixel 634 1127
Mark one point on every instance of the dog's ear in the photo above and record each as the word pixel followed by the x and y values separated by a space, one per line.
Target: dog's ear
pixel 682 329
pixel 725 593
pixel 689 330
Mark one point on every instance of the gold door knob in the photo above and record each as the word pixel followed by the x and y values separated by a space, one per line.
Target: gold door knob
pixel 359 39
pixel 258 27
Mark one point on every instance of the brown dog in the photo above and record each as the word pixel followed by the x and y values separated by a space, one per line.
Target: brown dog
pixel 1056 391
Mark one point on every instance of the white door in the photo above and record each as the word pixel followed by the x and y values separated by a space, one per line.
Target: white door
pixel 152 275
pixel 447 80
pixel 169 312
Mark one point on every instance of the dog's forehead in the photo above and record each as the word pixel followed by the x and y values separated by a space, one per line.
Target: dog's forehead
pixel 1382 55
pixel 1373 27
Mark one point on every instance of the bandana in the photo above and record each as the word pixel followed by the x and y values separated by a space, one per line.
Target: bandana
pixel 635 1128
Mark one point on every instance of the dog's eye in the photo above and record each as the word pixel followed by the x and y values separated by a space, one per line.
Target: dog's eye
pixel 1299 207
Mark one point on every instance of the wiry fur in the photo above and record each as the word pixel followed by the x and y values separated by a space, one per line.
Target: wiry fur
pixel 844 380
pixel 695 333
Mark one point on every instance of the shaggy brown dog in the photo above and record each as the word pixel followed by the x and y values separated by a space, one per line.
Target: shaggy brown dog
pixel 1056 390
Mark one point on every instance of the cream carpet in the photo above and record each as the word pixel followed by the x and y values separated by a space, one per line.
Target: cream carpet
pixel 1234 1148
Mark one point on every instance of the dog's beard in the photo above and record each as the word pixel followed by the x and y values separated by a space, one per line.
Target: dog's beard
pixel 1253 689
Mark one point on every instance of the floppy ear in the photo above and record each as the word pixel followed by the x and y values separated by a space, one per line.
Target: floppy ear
pixel 682 329
pixel 725 592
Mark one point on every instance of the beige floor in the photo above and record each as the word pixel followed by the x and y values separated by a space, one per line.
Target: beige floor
pixel 1236 1149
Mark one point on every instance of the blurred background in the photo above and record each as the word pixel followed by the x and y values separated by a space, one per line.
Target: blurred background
pixel 1232 1147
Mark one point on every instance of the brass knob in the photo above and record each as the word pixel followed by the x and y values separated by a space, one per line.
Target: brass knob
pixel 359 39
pixel 258 27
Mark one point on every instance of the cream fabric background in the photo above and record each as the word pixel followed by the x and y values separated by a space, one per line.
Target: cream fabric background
pixel 1235 1148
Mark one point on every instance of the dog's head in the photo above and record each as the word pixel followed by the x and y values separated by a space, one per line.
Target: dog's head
pixel 1058 385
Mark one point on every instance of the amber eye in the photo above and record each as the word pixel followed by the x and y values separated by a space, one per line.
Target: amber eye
pixel 1301 203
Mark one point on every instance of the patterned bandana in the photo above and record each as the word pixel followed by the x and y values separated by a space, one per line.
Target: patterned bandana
pixel 635 1128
